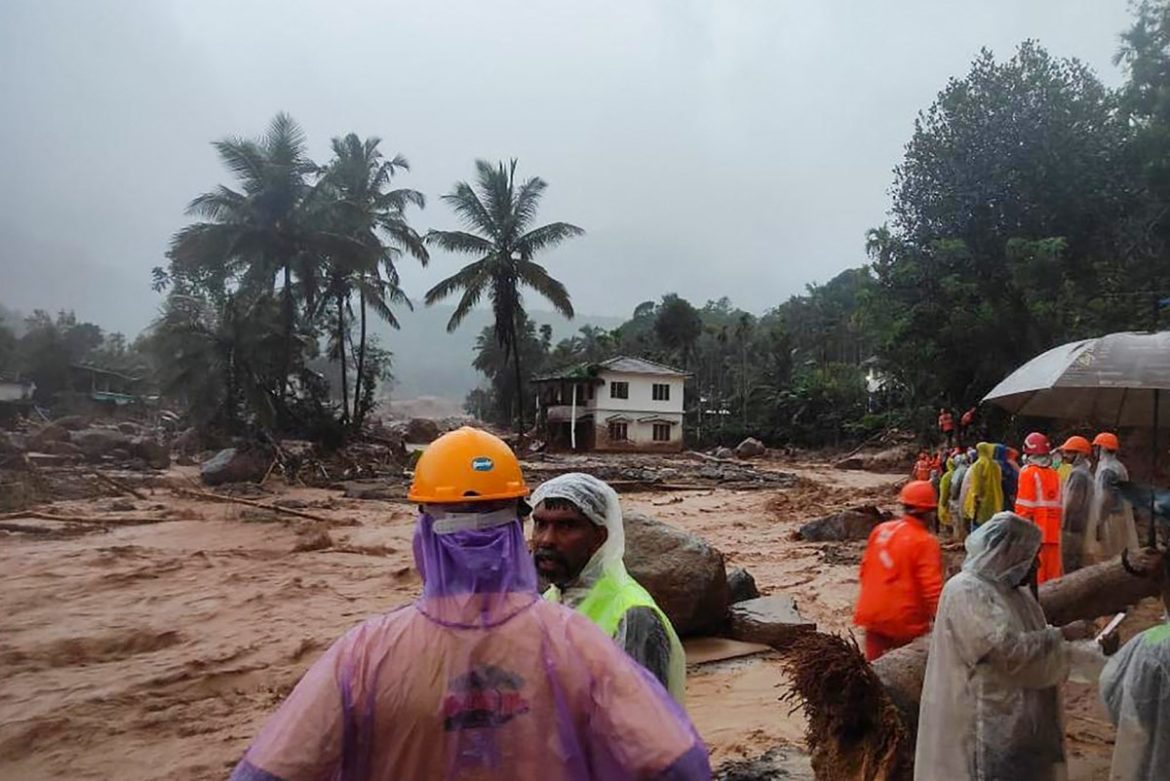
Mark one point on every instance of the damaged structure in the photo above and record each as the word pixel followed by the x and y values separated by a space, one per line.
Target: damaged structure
pixel 623 404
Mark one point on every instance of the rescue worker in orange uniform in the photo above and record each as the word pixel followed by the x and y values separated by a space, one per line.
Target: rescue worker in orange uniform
pixel 901 574
pixel 922 466
pixel 1038 499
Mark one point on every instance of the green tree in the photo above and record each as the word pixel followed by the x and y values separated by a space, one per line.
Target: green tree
pixel 373 216
pixel 678 326
pixel 265 229
pixel 1009 197
pixel 498 214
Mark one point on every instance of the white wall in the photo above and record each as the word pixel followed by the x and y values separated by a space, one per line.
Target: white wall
pixel 641 398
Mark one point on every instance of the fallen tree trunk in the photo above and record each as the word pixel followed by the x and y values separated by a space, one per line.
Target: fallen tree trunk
pixel 1088 593
pixel 878 751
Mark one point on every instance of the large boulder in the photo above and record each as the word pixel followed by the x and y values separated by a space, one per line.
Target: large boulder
pixel 98 442
pixel 772 621
pixel 853 524
pixel 750 448
pixel 49 433
pixel 155 454
pixel 724 453
pixel 422 431
pixel 684 574
pixel 235 465
pixel 62 448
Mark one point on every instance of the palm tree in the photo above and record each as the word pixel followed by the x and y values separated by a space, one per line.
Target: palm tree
pixel 373 217
pixel 498 215
pixel 253 234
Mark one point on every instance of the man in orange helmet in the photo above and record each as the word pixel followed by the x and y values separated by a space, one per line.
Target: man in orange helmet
pixel 901 574
pixel 1111 526
pixel 1076 499
pixel 479 677
pixel 1038 500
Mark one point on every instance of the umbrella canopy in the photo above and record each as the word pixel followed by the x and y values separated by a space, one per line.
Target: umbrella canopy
pixel 1114 380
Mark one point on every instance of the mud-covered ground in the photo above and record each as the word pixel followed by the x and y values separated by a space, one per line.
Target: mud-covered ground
pixel 155 650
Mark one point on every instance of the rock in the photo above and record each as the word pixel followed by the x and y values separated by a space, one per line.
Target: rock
pixel 724 453
pixel 187 443
pixel 8 444
pixel 98 442
pixel 48 433
pixel 72 422
pixel 155 454
pixel 120 506
pixel 750 448
pixel 317 539
pixel 235 465
pixel 372 489
pixel 853 524
pixel 62 449
pixel 741 585
pixel 769 620
pixel 185 460
pixel 894 459
pixel 422 431
pixel 684 574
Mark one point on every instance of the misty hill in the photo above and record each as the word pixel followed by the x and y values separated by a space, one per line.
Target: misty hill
pixel 428 361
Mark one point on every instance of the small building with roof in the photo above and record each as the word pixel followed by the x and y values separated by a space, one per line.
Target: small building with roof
pixel 622 404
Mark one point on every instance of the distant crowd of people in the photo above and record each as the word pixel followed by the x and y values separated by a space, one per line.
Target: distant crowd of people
pixel 990 706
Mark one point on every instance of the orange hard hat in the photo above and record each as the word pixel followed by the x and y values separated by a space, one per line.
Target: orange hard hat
pixel 918 494
pixel 1077 444
pixel 1036 444
pixel 1107 440
pixel 467 465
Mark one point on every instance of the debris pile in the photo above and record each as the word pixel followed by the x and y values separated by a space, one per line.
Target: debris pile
pixel 630 472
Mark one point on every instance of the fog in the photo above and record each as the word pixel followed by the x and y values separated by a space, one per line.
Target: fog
pixel 708 148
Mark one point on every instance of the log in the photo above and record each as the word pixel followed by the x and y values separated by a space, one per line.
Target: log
pixel 1092 592
pixel 210 497
pixel 118 484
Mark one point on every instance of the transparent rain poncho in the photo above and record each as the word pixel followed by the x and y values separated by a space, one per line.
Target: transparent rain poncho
pixel 477 679
pixel 990 705
pixel 982 487
pixel 1111 526
pixel 1135 687
pixel 1076 504
pixel 643 630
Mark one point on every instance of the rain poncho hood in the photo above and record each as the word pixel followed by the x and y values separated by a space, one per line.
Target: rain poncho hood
pixel 1111 526
pixel 1135 687
pixel 983 497
pixel 477 679
pixel 605 591
pixel 990 708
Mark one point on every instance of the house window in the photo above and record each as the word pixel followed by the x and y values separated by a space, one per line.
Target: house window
pixel 661 391
pixel 661 432
pixel 618 432
pixel 619 390
pixel 590 391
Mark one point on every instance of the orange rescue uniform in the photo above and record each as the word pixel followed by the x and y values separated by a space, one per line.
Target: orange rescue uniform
pixel 1038 499
pixel 901 578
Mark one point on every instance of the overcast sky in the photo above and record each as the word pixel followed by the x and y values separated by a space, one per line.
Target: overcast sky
pixel 714 148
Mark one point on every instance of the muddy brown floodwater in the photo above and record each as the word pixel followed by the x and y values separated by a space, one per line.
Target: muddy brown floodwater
pixel 156 651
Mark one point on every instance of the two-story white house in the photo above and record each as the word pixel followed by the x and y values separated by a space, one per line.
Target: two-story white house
pixel 619 404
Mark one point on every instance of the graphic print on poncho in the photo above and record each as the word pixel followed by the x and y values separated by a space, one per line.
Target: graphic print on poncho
pixel 485 697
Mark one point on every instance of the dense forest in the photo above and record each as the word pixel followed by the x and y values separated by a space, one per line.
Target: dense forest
pixel 1031 207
